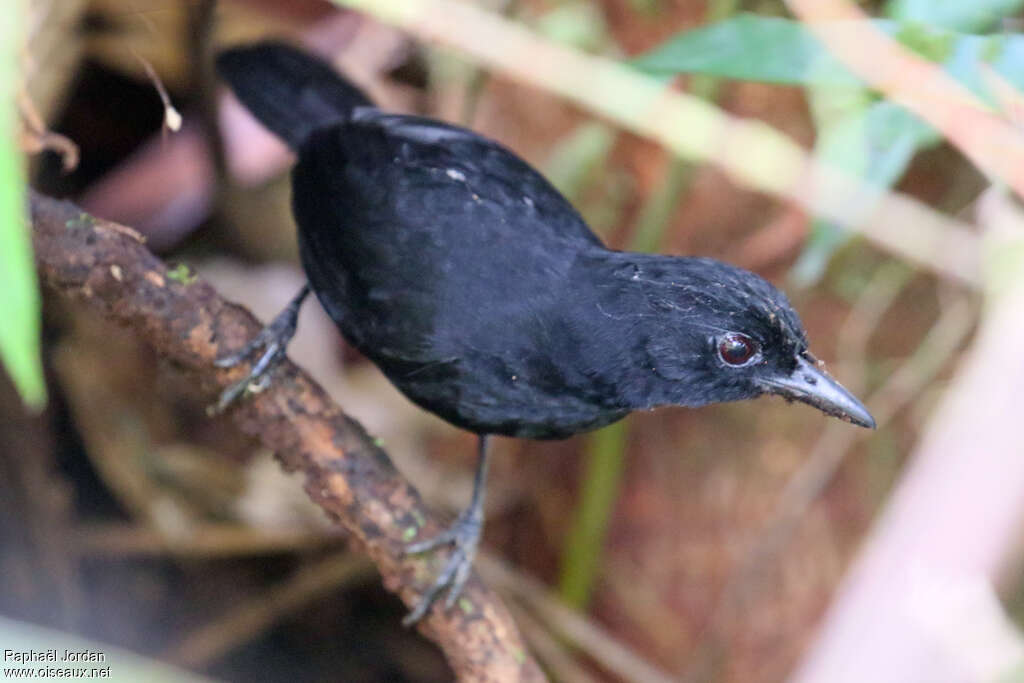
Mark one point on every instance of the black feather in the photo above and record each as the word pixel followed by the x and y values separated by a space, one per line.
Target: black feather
pixel 289 91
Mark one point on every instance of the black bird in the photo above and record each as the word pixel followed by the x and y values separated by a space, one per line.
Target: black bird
pixel 484 297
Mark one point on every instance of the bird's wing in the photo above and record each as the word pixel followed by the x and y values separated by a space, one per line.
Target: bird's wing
pixel 429 237
pixel 486 166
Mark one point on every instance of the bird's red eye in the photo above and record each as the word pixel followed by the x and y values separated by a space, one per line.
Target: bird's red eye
pixel 737 349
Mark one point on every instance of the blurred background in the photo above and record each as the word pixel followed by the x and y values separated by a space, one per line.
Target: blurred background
pixel 702 545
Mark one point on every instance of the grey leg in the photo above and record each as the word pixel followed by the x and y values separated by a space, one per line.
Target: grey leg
pixel 464 535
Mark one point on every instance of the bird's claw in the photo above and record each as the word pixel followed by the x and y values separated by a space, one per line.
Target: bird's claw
pixel 273 340
pixel 258 378
pixel 464 535
pixel 259 341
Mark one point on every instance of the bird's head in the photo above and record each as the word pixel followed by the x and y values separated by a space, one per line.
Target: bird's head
pixel 725 334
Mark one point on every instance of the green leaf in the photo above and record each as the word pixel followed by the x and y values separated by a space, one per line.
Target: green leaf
pixel 19 305
pixel 181 273
pixel 775 50
pixel 751 48
pixel 956 15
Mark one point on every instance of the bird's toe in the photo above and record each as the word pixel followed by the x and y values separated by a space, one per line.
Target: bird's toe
pixel 464 535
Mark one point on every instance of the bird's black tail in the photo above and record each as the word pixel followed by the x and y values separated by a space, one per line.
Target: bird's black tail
pixel 291 92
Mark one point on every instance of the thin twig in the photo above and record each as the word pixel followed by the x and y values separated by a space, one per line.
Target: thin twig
pixel 38 137
pixel 202 23
pixel 117 540
pixel 888 281
pixel 245 622
pixel 172 118
pixel 605 649
pixel 555 658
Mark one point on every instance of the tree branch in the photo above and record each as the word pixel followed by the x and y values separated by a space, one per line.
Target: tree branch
pixel 106 267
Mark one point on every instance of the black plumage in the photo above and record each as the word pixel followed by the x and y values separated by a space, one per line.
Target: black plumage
pixel 482 294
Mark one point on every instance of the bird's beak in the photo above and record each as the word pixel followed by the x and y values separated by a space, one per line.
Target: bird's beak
pixel 812 385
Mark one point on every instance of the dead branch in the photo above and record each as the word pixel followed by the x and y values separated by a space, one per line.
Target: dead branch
pixel 106 267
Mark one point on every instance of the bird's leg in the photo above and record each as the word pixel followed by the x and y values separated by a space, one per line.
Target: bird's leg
pixel 273 341
pixel 464 535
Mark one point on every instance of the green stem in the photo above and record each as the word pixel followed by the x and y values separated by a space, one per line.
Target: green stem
pixel 589 526
pixel 581 558
pixel 20 305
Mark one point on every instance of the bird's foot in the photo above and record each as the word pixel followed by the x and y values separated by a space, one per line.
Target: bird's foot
pixel 273 342
pixel 464 536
